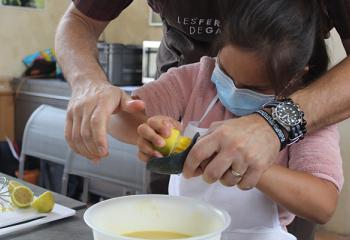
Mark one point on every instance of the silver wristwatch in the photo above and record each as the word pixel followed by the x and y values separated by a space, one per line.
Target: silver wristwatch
pixel 290 117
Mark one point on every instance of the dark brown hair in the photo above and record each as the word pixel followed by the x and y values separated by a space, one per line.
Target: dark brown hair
pixel 285 33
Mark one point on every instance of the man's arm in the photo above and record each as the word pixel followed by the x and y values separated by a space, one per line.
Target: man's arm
pixel 327 100
pixel 93 98
pixel 76 48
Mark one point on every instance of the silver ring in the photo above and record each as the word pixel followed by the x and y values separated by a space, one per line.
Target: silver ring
pixel 236 174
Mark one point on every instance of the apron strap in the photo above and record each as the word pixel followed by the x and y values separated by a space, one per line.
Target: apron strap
pixel 210 106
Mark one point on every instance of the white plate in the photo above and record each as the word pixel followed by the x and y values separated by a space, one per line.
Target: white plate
pixel 20 215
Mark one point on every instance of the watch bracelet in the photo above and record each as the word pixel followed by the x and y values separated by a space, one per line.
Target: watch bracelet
pixel 296 133
pixel 275 126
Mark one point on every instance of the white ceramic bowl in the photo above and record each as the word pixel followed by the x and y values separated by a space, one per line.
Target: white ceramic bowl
pixel 112 218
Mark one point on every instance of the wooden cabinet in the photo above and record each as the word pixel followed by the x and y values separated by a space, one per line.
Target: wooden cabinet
pixel 6 111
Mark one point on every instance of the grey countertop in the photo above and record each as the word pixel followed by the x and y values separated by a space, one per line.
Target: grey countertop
pixel 54 87
pixel 72 228
pixel 51 87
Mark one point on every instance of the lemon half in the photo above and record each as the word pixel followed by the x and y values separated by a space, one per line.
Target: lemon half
pixel 12 185
pixel 22 196
pixel 170 143
pixel 44 203
pixel 175 143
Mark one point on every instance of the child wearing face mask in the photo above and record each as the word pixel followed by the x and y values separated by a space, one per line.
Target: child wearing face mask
pixel 267 49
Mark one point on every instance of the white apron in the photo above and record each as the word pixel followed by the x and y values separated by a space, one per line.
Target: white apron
pixel 253 215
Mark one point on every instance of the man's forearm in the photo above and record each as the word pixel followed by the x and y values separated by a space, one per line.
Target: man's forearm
pixel 327 100
pixel 76 49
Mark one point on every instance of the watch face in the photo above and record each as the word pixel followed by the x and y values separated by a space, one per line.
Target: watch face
pixel 288 114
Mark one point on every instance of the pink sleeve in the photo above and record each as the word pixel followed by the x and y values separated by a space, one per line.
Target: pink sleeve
pixel 169 94
pixel 319 155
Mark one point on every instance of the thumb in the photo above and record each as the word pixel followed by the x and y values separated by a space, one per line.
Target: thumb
pixel 132 106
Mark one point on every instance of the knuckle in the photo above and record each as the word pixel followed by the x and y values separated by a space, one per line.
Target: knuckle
pixel 76 138
pixel 212 176
pixel 196 153
pixel 256 165
pixel 227 161
pixel 250 159
pixel 225 182
pixel 143 146
pixel 67 135
pixel 99 137
pixel 77 107
pixel 144 149
pixel 213 124
pixel 139 142
pixel 141 128
pixel 155 122
pixel 154 139
pixel 86 134
pixel 247 183
pixel 226 130
pixel 99 141
pixel 220 132
pixel 233 152
pixel 239 146
pixel 151 120
pixel 94 120
pixel 69 114
pixel 231 182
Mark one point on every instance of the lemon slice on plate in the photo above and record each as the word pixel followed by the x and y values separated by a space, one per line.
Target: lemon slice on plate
pixel 12 185
pixel 44 203
pixel 22 196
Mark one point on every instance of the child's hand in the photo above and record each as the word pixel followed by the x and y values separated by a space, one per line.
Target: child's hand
pixel 152 133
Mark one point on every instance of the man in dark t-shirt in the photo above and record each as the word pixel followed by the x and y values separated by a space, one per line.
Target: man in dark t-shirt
pixel 190 29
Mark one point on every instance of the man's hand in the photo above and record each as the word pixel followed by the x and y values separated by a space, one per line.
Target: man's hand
pixel 88 114
pixel 246 145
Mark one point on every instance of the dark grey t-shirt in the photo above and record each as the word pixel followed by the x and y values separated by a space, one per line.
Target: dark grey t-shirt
pixel 190 26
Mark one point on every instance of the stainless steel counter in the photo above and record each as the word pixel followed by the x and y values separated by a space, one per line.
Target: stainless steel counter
pixel 31 93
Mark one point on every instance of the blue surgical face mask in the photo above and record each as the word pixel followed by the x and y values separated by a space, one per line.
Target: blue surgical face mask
pixel 238 101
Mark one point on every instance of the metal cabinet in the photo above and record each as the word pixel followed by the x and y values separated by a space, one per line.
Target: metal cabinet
pixel 31 93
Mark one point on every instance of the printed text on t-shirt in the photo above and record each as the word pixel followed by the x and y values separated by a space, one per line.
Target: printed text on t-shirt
pixel 199 26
